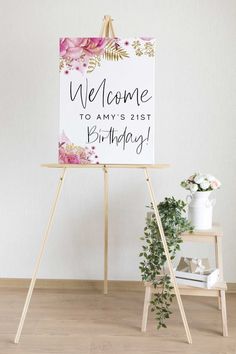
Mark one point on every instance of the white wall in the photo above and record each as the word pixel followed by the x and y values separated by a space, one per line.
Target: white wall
pixel 195 130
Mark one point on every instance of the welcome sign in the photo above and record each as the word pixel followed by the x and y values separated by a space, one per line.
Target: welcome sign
pixel 106 100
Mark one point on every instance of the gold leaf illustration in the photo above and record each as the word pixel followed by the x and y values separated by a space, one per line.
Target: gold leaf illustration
pixel 143 49
pixel 61 64
pixel 136 44
pixel 114 52
pixel 149 49
pixel 93 63
pixel 138 52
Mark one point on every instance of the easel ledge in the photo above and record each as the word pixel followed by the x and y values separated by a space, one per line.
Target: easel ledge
pixel 58 165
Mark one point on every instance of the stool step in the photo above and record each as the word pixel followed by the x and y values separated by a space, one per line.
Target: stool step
pixel 192 290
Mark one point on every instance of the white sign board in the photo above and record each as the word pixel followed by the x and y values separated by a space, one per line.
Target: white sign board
pixel 107 100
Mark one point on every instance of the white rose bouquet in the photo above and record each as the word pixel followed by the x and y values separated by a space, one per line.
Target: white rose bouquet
pixel 199 182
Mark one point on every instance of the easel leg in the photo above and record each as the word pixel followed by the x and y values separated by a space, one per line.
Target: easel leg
pixel 106 206
pixel 169 263
pixel 37 264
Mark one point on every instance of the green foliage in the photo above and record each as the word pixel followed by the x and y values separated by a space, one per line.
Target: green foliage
pixel 153 259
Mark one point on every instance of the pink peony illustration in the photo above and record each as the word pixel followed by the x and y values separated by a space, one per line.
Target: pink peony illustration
pixel 70 153
pixel 77 51
pixel 73 48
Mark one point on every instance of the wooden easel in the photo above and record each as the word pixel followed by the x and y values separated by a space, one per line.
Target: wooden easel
pixel 107 29
pixel 105 169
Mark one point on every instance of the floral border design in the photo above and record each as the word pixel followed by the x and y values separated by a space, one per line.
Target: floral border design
pixel 86 54
pixel 70 153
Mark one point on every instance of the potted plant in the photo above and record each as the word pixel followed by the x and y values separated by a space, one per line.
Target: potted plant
pixel 200 206
pixel 153 259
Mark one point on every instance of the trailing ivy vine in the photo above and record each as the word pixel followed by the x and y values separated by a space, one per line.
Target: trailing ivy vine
pixel 153 259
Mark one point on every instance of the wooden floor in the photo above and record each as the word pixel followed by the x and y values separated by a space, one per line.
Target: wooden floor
pixel 88 322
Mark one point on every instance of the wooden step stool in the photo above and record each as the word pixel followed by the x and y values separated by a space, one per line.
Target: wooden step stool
pixel 213 235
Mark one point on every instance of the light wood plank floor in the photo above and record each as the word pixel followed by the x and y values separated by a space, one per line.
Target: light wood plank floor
pixel 88 322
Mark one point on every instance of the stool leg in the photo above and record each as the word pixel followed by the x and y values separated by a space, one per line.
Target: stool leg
pixel 224 314
pixel 219 262
pixel 219 302
pixel 147 299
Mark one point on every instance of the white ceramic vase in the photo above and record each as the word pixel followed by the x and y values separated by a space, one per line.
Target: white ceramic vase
pixel 200 210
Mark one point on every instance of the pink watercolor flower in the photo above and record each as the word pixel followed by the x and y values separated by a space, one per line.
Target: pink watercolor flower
pixel 70 153
pixel 78 51
pixel 69 158
pixel 73 158
pixel 74 48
